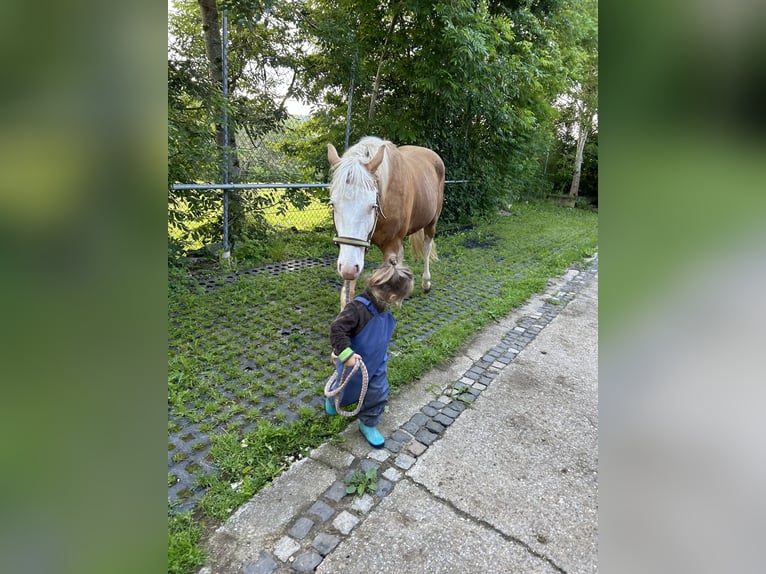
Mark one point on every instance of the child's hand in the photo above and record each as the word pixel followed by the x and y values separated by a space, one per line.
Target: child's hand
pixel 351 361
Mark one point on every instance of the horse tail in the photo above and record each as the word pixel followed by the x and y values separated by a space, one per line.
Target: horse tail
pixel 417 240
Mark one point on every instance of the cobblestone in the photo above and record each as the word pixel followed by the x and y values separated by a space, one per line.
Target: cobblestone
pixel 345 522
pixel 264 565
pixel 392 474
pixel 301 528
pixel 307 562
pixel 416 448
pixel 443 419
pixel 363 504
pixel 404 461
pixel 325 543
pixel 285 548
pixel 322 511
pixel 336 491
pixel 425 436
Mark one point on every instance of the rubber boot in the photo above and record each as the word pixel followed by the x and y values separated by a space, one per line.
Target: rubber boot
pixel 372 435
pixel 329 407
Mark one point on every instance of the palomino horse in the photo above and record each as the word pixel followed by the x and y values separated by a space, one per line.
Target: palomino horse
pixel 380 194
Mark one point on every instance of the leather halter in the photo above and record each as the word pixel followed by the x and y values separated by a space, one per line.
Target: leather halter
pixel 343 240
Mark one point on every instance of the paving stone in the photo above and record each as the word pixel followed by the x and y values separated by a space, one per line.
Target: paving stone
pixel 325 543
pixel 457 405
pixel 450 412
pixel 264 565
pixel 471 376
pixel 363 504
pixel 479 386
pixel 392 445
pixel 417 448
pixel 443 419
pixel 411 427
pixel 404 461
pixel 345 522
pixel 321 510
pixel 336 491
pixel 428 411
pixel 419 419
pixel 366 465
pixel 285 548
pixel 301 528
pixel 378 454
pixel 384 486
pixel 307 562
pixel 436 404
pixel 401 436
pixel 392 474
pixel 435 427
pixel 425 436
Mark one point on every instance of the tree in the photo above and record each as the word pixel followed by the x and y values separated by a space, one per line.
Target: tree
pixel 260 47
pixel 474 81
pixel 580 29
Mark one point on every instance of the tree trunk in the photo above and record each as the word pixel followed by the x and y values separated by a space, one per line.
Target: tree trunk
pixel 575 187
pixel 211 29
pixel 376 83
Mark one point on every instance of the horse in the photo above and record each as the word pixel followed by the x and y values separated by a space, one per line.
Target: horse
pixel 380 194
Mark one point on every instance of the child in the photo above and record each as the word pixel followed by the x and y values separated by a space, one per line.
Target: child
pixel 363 330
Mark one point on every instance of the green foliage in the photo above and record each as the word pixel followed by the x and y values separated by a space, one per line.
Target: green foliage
pixel 474 81
pixel 360 482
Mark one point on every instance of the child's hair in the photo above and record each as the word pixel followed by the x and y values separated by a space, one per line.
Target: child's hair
pixel 391 279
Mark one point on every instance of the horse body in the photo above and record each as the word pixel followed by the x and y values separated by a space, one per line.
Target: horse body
pixel 381 194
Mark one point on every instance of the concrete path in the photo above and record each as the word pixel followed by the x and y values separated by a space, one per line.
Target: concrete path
pixel 490 464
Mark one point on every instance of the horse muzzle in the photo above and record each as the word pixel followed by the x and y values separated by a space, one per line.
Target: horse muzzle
pixel 349 271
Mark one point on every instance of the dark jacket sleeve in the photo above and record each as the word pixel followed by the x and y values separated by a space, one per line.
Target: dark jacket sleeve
pixel 345 326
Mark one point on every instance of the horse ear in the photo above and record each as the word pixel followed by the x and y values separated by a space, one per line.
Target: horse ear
pixel 375 162
pixel 332 155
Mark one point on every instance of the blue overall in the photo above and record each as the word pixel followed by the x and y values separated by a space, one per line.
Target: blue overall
pixel 371 343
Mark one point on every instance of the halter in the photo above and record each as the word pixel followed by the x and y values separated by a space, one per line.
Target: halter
pixel 343 240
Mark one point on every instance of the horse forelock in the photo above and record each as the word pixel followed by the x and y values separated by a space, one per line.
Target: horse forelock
pixel 350 176
pixel 350 173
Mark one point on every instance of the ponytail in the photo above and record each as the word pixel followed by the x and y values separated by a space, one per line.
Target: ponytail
pixel 391 279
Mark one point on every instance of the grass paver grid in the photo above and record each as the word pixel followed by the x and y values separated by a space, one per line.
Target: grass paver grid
pixel 258 346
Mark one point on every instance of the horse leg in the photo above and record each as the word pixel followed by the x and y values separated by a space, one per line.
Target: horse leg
pixel 427 243
pixel 347 292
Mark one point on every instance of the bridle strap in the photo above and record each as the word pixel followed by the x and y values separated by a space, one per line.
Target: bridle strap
pixel 342 240
pixel 350 241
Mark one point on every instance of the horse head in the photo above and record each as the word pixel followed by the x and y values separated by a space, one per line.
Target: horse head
pixel 354 199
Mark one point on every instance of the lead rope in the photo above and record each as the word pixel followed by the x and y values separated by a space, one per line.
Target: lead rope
pixel 330 390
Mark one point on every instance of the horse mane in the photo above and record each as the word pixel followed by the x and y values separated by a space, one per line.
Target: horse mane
pixel 351 168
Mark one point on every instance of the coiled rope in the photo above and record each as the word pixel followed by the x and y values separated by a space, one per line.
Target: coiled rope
pixel 331 389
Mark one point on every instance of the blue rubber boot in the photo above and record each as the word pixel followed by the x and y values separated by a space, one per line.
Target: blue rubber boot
pixel 329 407
pixel 372 435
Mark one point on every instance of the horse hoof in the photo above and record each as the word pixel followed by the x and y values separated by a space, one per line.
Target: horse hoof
pixel 427 287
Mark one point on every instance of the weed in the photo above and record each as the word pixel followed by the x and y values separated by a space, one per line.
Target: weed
pixel 360 482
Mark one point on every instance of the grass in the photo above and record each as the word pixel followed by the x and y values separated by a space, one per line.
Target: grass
pixel 238 352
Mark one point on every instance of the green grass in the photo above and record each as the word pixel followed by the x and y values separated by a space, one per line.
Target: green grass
pixel 279 324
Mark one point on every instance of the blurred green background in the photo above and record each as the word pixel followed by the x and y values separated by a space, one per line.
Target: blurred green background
pixel 83 295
